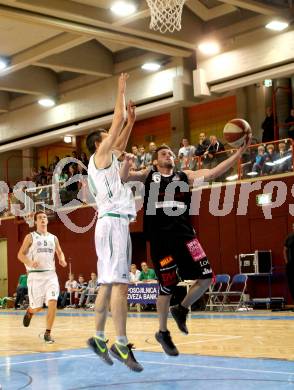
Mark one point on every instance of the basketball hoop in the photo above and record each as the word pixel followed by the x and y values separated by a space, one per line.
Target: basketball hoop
pixel 166 15
pixel 29 219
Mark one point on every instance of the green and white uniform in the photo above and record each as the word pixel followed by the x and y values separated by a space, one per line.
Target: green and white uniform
pixel 43 283
pixel 116 207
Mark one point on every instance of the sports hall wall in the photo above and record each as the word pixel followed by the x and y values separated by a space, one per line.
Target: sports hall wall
pixel 222 238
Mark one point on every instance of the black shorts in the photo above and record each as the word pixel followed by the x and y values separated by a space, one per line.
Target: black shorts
pixel 176 259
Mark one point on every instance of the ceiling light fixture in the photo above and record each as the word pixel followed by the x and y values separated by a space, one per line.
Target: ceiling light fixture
pixel 277 25
pixel 123 8
pixel 209 48
pixel 47 102
pixel 151 66
pixel 3 63
pixel 67 139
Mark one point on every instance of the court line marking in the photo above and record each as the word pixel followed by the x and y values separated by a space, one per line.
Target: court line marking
pixel 91 356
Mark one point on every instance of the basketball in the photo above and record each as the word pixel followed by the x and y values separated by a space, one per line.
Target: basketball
pixel 236 131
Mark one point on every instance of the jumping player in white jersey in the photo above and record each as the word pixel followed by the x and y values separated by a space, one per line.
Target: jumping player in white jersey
pixel 116 207
pixel 38 255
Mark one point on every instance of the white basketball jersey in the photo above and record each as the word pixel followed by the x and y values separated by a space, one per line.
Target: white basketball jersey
pixel 110 194
pixel 42 250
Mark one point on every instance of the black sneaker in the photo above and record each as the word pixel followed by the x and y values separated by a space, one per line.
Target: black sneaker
pixel 48 339
pixel 27 319
pixel 180 315
pixel 124 354
pixel 166 342
pixel 98 345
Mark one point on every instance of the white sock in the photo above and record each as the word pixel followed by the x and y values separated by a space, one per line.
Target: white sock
pixel 122 340
pixel 100 334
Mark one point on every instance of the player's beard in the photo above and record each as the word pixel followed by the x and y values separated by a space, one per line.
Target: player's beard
pixel 167 164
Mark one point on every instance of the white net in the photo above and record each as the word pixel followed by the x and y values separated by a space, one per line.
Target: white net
pixel 166 15
pixel 29 219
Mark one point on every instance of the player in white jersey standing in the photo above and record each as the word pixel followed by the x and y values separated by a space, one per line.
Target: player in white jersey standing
pixel 116 207
pixel 38 255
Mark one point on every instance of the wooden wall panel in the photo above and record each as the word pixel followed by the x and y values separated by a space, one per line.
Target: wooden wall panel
pixel 211 117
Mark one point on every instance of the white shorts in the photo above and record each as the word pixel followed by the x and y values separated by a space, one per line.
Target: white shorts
pixel 42 288
pixel 114 250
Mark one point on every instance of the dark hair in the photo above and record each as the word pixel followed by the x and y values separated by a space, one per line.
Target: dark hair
pixel 38 213
pixel 93 137
pixel 161 147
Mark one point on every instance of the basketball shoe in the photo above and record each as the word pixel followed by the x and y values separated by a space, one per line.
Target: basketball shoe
pixel 179 314
pixel 166 342
pixel 99 346
pixel 27 318
pixel 124 354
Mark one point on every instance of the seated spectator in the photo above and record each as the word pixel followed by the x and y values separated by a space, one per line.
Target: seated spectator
pixel 70 286
pixel 186 154
pixel 215 146
pixel 81 286
pixel 270 158
pixel 283 160
pixel 41 178
pixel 259 160
pixel 150 153
pixel 202 145
pixel 21 290
pixel 134 274
pixel 90 291
pixel 147 274
pixel 268 126
pixel 290 124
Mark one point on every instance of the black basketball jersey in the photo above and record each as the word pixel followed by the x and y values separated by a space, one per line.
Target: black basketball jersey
pixel 166 205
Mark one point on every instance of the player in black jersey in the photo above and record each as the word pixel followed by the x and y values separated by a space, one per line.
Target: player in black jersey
pixel 176 253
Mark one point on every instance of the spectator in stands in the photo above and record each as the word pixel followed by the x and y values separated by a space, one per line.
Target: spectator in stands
pixel 81 287
pixel 90 291
pixel 134 274
pixel 186 154
pixel 290 124
pixel 73 185
pixel 268 126
pixel 270 158
pixel 202 145
pixel 289 260
pixel 283 160
pixel 147 274
pixel 259 160
pixel 85 161
pixel 215 146
pixel 53 164
pixel 70 286
pixel 41 179
pixel 21 290
pixel 135 152
pixel 74 154
pixel 149 155
pixel 142 157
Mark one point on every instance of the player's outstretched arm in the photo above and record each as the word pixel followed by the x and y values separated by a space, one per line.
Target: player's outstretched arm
pixel 119 117
pixel 123 138
pixel 23 251
pixel 60 253
pixel 221 168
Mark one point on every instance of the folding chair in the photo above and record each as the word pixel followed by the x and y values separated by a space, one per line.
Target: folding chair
pixel 221 284
pixel 234 296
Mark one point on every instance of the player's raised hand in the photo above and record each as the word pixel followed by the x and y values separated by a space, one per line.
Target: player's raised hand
pixel 129 158
pixel 122 82
pixel 131 109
